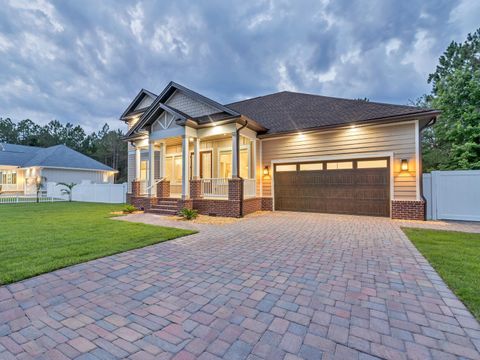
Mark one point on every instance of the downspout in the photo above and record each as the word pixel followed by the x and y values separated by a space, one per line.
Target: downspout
pixel 237 136
pixel 431 122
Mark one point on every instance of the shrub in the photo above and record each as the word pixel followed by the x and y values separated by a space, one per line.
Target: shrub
pixel 128 209
pixel 188 214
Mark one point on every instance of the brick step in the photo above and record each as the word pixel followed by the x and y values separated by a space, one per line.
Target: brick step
pixel 167 202
pixel 161 211
pixel 165 206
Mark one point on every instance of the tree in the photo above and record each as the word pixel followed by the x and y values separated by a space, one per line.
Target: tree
pixel 69 189
pixel 40 182
pixel 454 141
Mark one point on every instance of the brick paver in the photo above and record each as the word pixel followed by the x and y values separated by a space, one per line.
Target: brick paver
pixel 276 286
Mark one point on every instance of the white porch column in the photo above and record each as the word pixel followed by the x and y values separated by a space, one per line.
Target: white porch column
pixel 196 159
pixel 185 168
pixel 235 154
pixel 151 169
pixel 163 160
pixel 137 163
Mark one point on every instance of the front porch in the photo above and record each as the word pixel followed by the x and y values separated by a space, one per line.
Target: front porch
pixel 217 175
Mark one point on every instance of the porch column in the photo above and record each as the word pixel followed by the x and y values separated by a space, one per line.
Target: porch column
pixel 235 150
pixel 151 169
pixel 185 168
pixel 196 159
pixel 137 163
pixel 163 160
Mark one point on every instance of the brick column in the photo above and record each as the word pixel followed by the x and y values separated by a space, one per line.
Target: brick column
pixel 135 188
pixel 235 189
pixel 235 196
pixel 163 189
pixel 195 189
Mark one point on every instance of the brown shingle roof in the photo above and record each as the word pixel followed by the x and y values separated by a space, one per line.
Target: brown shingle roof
pixel 289 111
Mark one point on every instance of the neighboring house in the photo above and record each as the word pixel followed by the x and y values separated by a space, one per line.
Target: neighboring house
pixel 284 151
pixel 21 166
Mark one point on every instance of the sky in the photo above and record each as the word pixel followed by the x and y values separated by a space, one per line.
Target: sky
pixel 84 61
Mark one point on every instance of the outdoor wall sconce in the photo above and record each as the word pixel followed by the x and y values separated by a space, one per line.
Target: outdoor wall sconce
pixel 404 166
pixel 266 171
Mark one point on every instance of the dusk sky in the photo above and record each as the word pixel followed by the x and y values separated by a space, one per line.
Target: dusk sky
pixel 84 61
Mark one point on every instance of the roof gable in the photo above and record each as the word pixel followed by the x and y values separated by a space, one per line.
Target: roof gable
pixel 54 156
pixel 180 96
pixel 143 100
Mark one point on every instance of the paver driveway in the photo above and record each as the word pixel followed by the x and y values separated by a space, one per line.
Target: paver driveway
pixel 279 286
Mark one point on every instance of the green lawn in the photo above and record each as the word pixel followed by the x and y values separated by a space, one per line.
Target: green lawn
pixel 456 257
pixel 38 238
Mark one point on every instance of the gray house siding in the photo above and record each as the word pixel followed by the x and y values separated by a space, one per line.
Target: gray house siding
pixel 76 176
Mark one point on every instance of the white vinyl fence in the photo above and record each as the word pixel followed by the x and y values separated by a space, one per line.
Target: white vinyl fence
pixel 452 195
pixel 22 199
pixel 89 192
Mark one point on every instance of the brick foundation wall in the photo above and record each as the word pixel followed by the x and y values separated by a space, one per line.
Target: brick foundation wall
pixel 252 205
pixel 141 202
pixel 408 210
pixel 267 204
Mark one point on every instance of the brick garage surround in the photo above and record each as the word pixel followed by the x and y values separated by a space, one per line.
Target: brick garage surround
pixel 408 210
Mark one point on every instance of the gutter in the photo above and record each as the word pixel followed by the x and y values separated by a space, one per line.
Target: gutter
pixel 430 122
pixel 237 146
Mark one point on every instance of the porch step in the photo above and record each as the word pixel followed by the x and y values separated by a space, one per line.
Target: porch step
pixel 164 207
pixel 161 211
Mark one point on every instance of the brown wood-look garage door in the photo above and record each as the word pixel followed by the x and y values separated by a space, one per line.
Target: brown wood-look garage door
pixel 358 187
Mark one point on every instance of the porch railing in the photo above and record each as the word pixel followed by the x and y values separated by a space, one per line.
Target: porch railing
pixel 249 188
pixel 214 188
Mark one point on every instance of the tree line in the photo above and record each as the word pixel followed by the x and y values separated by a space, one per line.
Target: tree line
pixel 105 145
pixel 453 143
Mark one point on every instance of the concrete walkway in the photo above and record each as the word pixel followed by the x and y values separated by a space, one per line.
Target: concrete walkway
pixel 276 286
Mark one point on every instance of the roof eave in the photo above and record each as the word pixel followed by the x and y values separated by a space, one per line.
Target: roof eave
pixel 385 120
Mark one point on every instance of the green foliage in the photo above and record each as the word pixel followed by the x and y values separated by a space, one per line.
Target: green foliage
pixel 456 257
pixel 188 214
pixel 106 146
pixel 128 209
pixel 38 238
pixel 68 189
pixel 454 142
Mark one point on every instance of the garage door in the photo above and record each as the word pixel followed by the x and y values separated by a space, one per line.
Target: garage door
pixel 358 187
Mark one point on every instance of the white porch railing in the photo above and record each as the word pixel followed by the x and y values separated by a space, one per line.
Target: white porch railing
pixel 214 188
pixel 249 188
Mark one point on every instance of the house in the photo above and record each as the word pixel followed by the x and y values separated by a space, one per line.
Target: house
pixel 22 166
pixel 283 151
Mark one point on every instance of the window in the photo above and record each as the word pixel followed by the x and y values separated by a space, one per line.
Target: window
pixel 282 168
pixel 341 165
pixel 370 164
pixel 206 164
pixel 225 161
pixel 311 167
pixel 8 177
pixel 173 168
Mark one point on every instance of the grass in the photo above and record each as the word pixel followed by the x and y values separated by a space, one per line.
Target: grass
pixel 38 238
pixel 456 257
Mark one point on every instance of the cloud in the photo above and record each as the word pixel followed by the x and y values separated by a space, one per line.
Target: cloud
pixel 84 61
